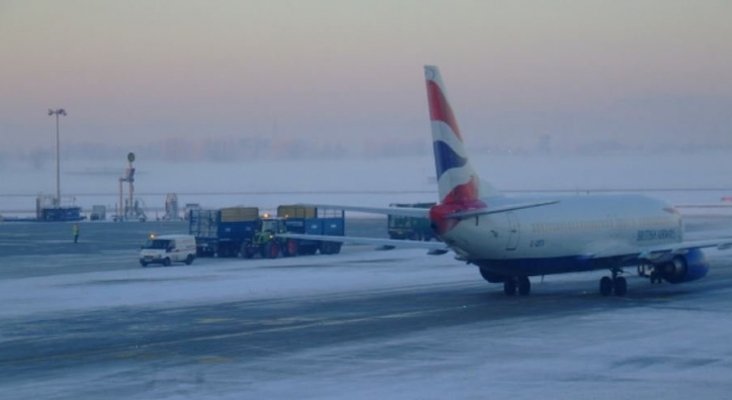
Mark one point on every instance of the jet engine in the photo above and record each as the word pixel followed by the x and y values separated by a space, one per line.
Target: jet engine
pixel 685 268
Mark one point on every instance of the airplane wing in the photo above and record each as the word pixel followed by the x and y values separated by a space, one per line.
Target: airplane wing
pixel 660 252
pixel 676 248
pixel 399 211
pixel 497 210
pixel 424 212
pixel 434 247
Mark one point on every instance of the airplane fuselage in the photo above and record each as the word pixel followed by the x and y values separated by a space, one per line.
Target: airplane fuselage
pixel 512 239
pixel 568 236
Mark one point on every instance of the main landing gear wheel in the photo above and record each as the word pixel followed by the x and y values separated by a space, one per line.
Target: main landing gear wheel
pixel 522 283
pixel 509 287
pixel 606 286
pixel 617 285
pixel 620 286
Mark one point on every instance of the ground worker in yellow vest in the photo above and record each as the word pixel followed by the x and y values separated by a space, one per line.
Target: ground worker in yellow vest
pixel 75 232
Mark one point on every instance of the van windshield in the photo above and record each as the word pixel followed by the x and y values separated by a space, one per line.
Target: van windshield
pixel 157 244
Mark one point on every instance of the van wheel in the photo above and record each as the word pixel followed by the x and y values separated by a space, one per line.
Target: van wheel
pixel 189 259
pixel 166 262
pixel 143 263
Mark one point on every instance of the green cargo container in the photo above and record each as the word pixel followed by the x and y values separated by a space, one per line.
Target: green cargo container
pixel 410 227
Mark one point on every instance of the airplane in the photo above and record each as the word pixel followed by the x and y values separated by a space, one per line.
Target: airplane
pixel 510 241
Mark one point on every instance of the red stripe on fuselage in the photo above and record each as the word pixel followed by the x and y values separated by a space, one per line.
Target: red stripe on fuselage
pixel 440 109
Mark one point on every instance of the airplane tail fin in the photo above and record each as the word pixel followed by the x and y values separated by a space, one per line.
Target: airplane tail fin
pixel 457 180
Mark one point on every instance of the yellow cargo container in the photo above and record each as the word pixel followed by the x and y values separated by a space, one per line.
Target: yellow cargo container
pixel 292 211
pixel 238 214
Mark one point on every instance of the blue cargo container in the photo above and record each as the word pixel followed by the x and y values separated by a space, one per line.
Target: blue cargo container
pixel 217 235
pixel 60 214
pixel 312 221
pixel 232 235
pixel 214 237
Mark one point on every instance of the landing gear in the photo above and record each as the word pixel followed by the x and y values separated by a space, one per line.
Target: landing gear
pixel 522 283
pixel 509 287
pixel 606 286
pixel 620 286
pixel 650 271
pixel 616 284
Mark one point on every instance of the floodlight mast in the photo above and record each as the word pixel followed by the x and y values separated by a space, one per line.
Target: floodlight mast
pixel 58 112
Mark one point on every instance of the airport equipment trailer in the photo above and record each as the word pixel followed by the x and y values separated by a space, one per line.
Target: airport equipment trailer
pixel 241 231
pixel 222 232
pixel 411 228
pixel 311 221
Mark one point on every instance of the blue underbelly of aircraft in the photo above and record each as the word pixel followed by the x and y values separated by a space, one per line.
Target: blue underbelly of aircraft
pixel 548 266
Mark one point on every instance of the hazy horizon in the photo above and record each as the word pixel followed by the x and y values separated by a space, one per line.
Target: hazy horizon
pixel 323 78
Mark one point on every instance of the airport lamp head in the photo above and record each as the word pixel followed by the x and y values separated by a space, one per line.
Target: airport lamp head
pixel 59 111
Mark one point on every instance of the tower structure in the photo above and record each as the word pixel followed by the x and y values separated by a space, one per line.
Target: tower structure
pixel 126 207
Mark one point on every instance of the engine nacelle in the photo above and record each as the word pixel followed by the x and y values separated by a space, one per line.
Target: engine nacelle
pixel 685 268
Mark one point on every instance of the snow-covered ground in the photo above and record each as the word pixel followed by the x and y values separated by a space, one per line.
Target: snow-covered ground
pixel 225 280
pixel 363 324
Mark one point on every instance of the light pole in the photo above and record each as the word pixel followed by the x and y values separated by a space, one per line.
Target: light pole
pixel 57 113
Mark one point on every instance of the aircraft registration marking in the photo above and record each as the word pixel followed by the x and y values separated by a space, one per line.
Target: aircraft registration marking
pixel 656 234
pixel 537 243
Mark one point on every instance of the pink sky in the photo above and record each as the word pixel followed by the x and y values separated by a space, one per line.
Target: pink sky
pixel 350 72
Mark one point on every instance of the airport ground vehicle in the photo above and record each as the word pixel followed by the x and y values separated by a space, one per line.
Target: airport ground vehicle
pixel 222 232
pixel 241 231
pixel 412 228
pixel 296 219
pixel 312 221
pixel 98 213
pixel 264 242
pixel 167 249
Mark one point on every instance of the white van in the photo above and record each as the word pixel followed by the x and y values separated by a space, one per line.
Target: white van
pixel 166 249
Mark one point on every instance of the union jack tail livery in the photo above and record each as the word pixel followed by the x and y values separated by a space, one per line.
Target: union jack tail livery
pixel 457 180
